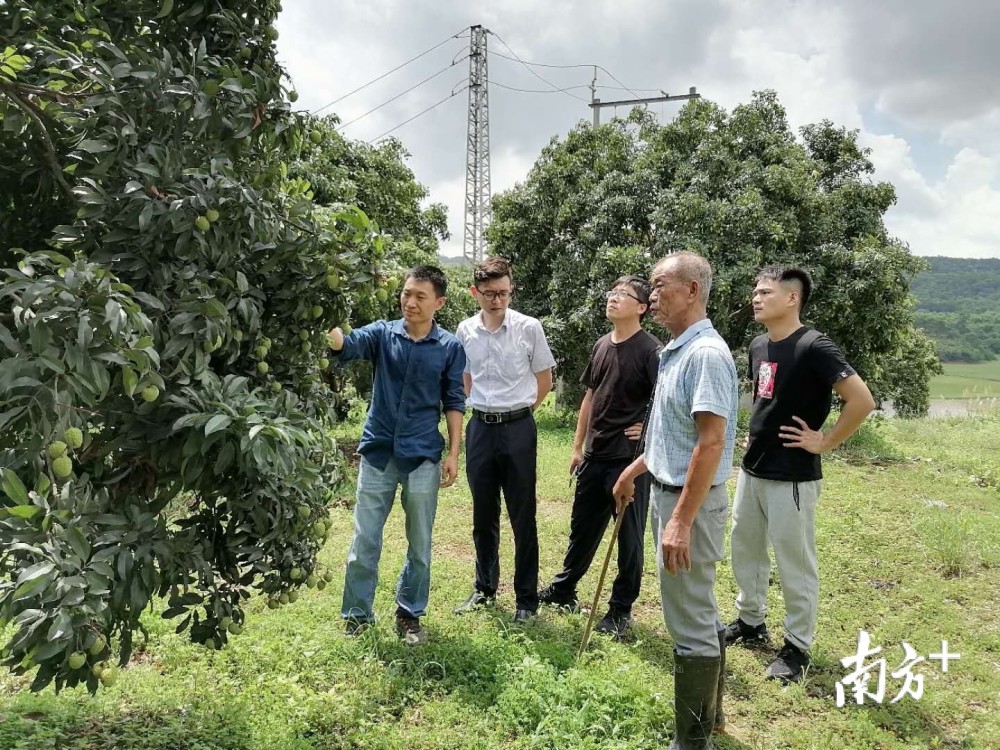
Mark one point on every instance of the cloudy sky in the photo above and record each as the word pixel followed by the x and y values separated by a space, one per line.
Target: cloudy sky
pixel 919 78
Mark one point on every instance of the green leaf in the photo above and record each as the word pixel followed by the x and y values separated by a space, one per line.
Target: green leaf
pixel 94 146
pixel 12 485
pixel 216 423
pixel 168 5
pixel 23 511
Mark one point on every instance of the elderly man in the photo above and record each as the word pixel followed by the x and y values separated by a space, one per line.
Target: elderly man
pixel 689 452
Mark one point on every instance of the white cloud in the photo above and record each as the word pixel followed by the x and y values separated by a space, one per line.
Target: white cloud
pixel 930 67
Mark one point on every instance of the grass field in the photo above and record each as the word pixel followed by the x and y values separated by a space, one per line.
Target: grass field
pixel 909 536
pixel 966 381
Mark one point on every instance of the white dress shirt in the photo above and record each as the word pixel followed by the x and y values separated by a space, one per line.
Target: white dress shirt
pixel 503 363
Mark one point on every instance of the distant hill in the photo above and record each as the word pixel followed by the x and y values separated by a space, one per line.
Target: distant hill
pixel 452 260
pixel 958 305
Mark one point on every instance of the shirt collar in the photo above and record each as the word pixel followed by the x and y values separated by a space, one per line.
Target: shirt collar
pixel 691 331
pixel 481 324
pixel 399 328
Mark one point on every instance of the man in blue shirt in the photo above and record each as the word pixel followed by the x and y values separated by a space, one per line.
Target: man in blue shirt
pixel 418 371
pixel 689 454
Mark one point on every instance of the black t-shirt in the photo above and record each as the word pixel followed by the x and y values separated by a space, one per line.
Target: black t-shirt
pixel 791 377
pixel 622 377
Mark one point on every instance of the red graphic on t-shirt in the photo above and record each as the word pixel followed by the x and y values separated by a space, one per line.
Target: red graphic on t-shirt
pixel 765 379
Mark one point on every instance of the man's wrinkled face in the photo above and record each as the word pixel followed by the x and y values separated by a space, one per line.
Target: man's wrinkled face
pixel 671 297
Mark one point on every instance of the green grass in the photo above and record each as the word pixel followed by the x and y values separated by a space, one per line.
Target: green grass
pixel 909 538
pixel 965 381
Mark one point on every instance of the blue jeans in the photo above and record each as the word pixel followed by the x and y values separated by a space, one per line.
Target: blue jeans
pixel 375 495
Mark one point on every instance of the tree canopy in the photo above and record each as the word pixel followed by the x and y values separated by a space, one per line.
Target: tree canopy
pixel 167 282
pixel 743 190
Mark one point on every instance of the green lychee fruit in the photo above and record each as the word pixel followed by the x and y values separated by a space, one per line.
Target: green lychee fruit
pixel 150 393
pixel 109 676
pixel 303 335
pixel 381 295
pixel 333 280
pixel 62 467
pixel 234 628
pixel 73 437
pixel 317 311
pixel 283 598
pixel 315 136
pixel 324 363
pixel 263 368
pixel 202 224
pixel 212 215
pixel 293 596
pixel 98 646
pixel 57 449
pixel 293 96
pixel 77 659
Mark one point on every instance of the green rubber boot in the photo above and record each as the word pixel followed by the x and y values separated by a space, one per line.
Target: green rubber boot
pixel 696 692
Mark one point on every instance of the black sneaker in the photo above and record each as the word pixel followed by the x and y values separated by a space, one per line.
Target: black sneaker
pixel 791 664
pixel 478 600
pixel 751 635
pixel 410 630
pixel 354 626
pixel 550 596
pixel 615 623
pixel 524 616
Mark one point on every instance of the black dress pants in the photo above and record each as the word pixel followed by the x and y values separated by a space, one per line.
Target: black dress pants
pixel 501 457
pixel 593 507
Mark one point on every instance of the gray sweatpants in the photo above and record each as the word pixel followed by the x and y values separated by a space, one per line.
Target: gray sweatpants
pixel 784 515
pixel 689 607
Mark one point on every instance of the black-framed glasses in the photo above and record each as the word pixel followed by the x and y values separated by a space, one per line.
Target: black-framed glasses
pixel 503 295
pixel 619 294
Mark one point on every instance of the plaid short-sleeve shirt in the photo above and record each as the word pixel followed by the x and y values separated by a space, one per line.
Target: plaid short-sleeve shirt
pixel 697 373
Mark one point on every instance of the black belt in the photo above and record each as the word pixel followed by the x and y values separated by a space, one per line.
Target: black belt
pixel 673 487
pixel 499 417
pixel 666 487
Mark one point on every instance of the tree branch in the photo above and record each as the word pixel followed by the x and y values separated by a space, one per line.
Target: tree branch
pixel 32 110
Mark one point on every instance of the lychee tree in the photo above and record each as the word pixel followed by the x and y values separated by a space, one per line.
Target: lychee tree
pixel 165 288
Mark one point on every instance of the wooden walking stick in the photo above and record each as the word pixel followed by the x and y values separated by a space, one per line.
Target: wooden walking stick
pixel 600 584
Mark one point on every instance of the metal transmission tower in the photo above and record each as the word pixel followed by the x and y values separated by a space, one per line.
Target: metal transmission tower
pixel 477 160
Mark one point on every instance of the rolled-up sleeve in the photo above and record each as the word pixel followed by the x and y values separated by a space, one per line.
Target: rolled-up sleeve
pixel 452 386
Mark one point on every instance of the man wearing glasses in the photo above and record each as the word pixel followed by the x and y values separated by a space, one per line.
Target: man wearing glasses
pixel 620 378
pixel 507 375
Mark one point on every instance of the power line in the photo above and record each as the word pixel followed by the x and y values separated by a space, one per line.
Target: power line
pixel 404 93
pixel 398 67
pixel 535 91
pixel 419 114
pixel 528 68
pixel 576 65
pixel 556 91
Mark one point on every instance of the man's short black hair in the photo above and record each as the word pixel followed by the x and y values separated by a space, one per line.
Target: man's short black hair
pixel 432 274
pixel 640 288
pixel 789 273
